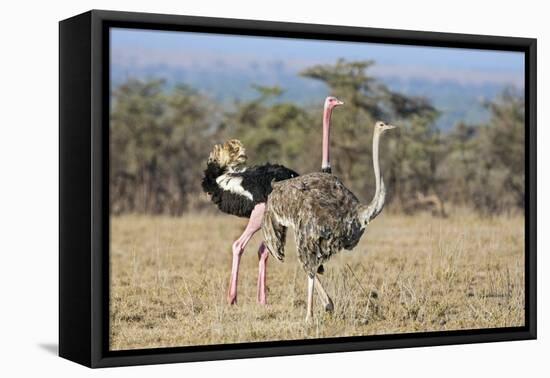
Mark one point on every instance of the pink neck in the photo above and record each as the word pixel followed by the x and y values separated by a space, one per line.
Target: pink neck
pixel 326 136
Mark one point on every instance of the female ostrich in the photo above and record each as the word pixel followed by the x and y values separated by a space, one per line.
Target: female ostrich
pixel 325 215
pixel 243 191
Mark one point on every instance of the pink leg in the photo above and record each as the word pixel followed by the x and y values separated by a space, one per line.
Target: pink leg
pixel 263 254
pixel 254 224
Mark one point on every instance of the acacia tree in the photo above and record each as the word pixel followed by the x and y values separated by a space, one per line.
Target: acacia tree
pixel 411 153
pixel 485 164
pixel 415 154
pixel 499 185
pixel 157 136
pixel 458 169
pixel 272 131
pixel 160 138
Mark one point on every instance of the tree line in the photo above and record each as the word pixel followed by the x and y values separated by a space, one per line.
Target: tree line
pixel 160 138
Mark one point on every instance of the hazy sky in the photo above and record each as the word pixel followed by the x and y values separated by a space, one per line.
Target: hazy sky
pixel 142 47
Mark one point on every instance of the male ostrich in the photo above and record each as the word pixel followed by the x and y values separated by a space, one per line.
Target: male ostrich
pixel 326 217
pixel 242 191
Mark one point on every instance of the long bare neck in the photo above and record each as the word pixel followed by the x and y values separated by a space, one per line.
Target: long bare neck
pixel 376 163
pixel 325 164
pixel 370 212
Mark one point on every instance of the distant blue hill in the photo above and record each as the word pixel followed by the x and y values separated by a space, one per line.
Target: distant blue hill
pixel 456 101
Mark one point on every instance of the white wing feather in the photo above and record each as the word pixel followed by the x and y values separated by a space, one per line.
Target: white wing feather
pixel 233 184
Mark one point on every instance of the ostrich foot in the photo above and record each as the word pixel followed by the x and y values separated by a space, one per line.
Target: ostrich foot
pixel 231 299
pixel 327 302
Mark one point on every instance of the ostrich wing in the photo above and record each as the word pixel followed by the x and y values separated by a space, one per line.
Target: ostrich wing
pixel 233 182
pixel 274 235
pixel 258 179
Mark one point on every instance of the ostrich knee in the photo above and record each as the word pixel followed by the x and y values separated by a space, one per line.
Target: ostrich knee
pixel 263 253
pixel 237 248
pixel 237 252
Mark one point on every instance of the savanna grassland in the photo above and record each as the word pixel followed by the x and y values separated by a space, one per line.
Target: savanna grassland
pixel 169 279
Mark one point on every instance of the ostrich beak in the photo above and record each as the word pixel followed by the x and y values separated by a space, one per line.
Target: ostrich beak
pixel 339 102
pixel 389 127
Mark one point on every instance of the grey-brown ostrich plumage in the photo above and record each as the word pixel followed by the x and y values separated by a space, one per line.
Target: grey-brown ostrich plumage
pixel 325 215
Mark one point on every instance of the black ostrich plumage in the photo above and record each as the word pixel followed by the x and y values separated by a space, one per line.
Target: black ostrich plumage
pixel 244 189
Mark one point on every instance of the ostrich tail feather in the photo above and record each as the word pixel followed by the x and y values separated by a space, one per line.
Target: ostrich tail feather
pixel 230 154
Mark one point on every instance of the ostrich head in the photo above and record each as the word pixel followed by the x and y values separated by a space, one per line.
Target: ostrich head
pixel 231 154
pixel 331 102
pixel 381 127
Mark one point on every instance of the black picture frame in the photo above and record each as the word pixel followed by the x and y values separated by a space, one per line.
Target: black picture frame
pixel 83 193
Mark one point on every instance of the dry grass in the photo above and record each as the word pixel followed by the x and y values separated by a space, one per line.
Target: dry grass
pixel 169 279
